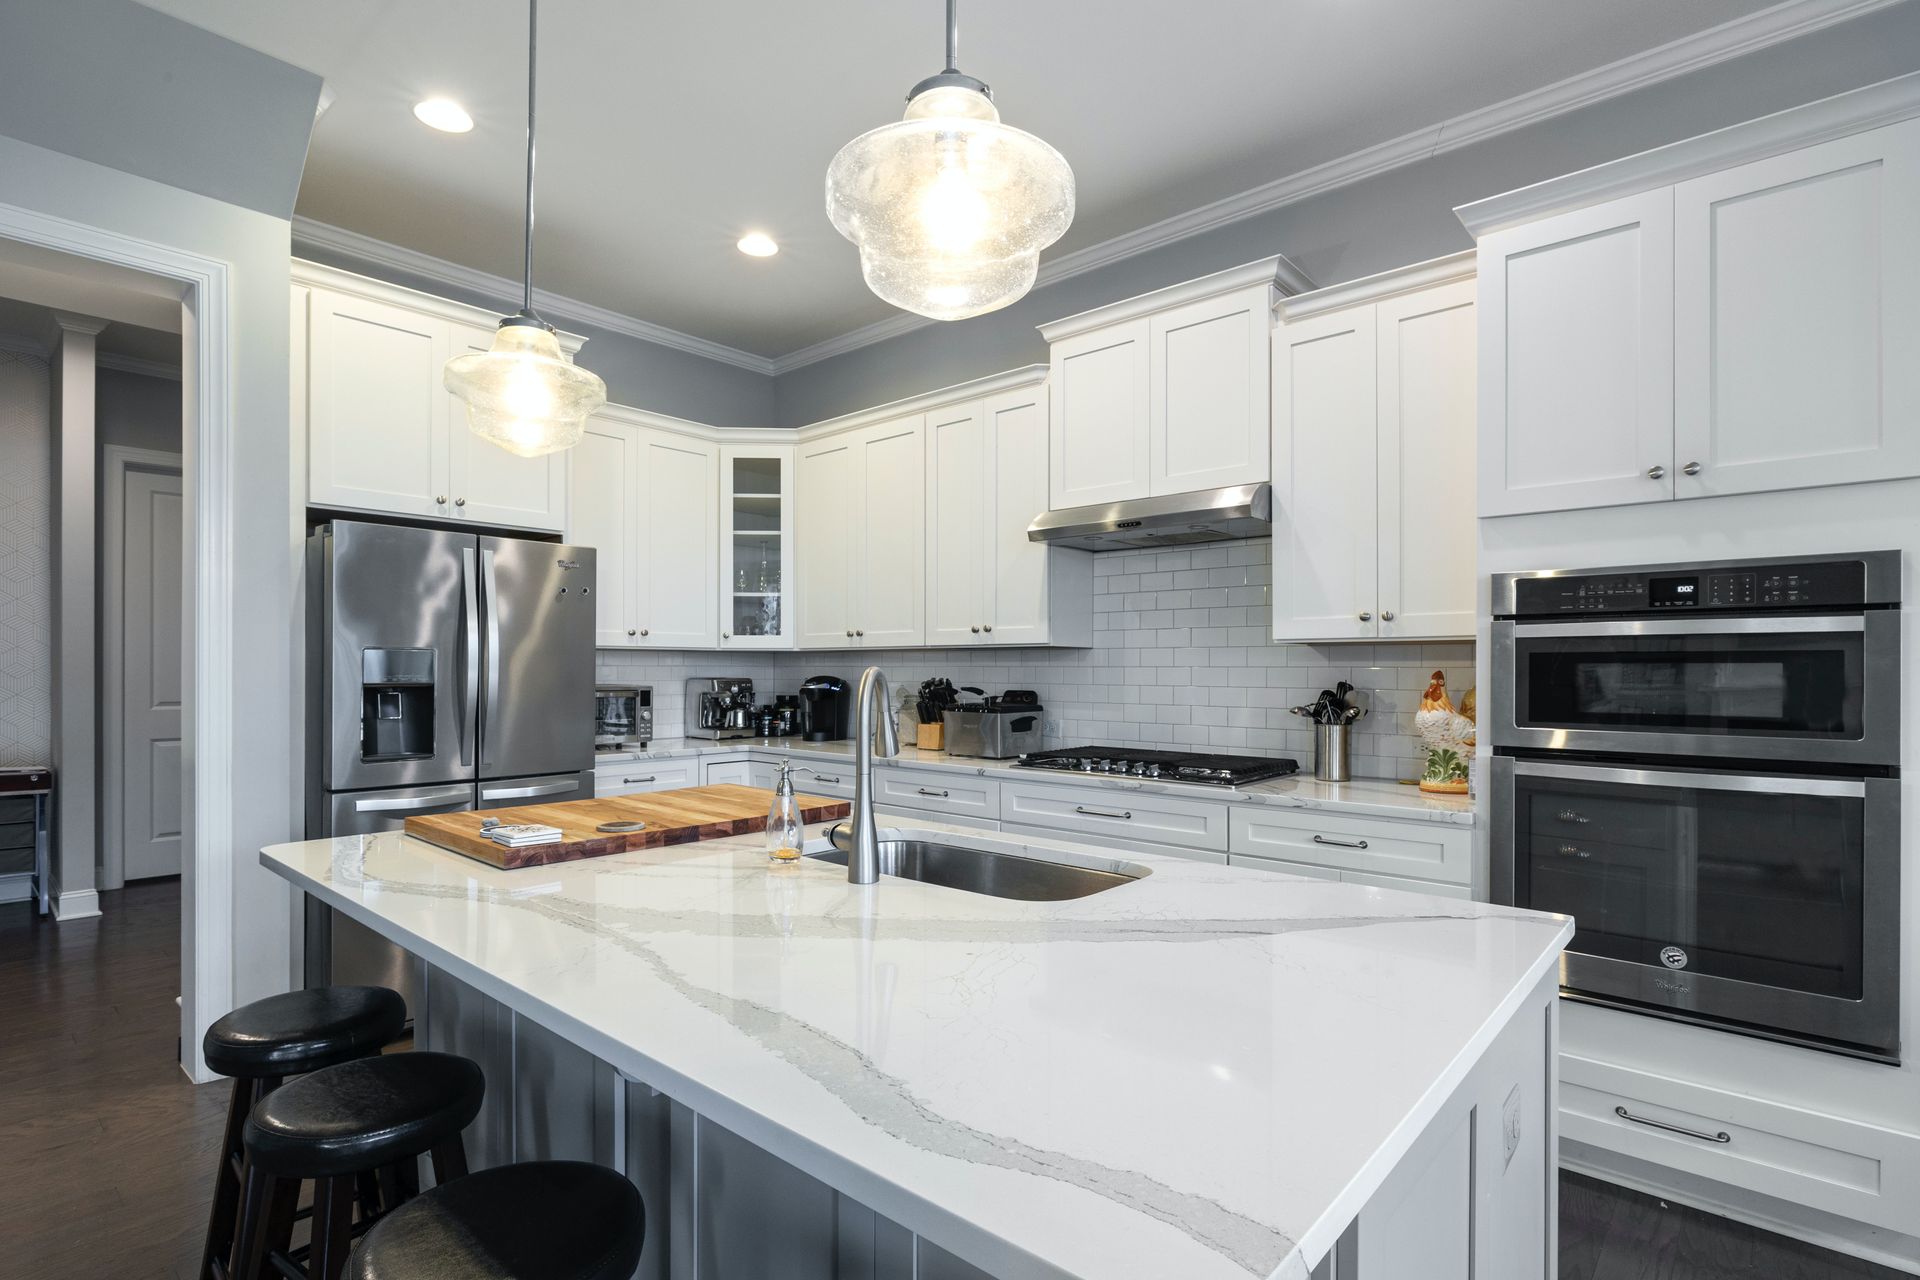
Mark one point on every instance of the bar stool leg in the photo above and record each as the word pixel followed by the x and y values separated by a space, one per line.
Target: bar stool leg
pixel 449 1162
pixel 267 1207
pixel 216 1258
pixel 332 1227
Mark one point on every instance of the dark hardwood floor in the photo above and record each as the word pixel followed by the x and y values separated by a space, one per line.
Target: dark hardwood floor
pixel 106 1151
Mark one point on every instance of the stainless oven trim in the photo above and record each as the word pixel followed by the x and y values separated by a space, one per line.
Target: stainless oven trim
pixel 1878 744
pixel 1882 574
pixel 1767 783
pixel 1693 625
pixel 1872 1022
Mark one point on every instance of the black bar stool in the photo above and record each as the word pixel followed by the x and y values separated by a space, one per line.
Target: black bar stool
pixel 544 1220
pixel 336 1128
pixel 260 1044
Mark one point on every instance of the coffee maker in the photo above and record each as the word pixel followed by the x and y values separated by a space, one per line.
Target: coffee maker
pixel 719 707
pixel 826 704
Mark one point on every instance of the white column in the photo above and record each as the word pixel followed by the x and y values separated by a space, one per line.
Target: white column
pixel 75 568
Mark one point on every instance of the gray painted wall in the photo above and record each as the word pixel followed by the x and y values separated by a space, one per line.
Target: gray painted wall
pixel 136 410
pixel 643 375
pixel 1397 218
pixel 26 552
pixel 135 90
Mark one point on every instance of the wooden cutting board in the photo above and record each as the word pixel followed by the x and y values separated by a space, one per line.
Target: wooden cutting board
pixel 672 817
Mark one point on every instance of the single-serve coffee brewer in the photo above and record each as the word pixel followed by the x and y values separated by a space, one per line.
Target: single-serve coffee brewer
pixel 719 707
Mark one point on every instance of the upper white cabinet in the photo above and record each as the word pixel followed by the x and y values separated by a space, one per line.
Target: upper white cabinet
pixel 756 546
pixel 1373 394
pixel 861 537
pixel 1166 392
pixel 1796 314
pixel 382 433
pixel 1731 314
pixel 986 479
pixel 647 499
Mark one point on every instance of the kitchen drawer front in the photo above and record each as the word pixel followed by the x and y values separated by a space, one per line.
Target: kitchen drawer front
pixel 1422 850
pixel 1312 872
pixel 946 793
pixel 738 772
pixel 629 777
pixel 1112 844
pixel 828 779
pixel 1094 813
pixel 1860 1171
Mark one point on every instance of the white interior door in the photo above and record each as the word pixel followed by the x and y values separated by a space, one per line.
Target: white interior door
pixel 150 646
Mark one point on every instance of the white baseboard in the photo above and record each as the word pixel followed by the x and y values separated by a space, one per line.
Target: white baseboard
pixel 17 887
pixel 1857 1240
pixel 80 904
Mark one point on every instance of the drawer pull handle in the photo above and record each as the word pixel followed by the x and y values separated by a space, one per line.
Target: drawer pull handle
pixel 1722 1136
pixel 1343 844
pixel 821 777
pixel 928 791
pixel 1125 814
pixel 653 778
pixel 1574 851
pixel 1570 815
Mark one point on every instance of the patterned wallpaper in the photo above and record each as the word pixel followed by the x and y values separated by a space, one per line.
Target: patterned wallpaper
pixel 25 561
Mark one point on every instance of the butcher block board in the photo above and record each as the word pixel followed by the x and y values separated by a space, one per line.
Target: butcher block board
pixel 672 817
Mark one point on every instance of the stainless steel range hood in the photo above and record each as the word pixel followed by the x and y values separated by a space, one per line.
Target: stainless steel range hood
pixel 1177 519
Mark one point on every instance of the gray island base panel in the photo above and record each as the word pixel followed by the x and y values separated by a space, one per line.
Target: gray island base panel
pixel 1206 1072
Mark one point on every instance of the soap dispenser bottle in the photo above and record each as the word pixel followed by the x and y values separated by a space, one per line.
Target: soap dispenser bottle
pixel 783 819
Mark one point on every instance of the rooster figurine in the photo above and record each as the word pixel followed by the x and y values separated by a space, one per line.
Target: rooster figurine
pixel 1447 737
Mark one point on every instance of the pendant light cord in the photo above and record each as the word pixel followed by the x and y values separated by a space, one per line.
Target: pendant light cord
pixel 953 35
pixel 533 45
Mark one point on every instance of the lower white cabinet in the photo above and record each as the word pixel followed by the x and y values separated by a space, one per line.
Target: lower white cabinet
pixel 1427 851
pixel 1099 815
pixel 626 777
pixel 716 772
pixel 951 795
pixel 1117 844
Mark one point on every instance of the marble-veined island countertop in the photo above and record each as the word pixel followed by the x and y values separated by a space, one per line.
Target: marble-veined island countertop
pixel 1206 1072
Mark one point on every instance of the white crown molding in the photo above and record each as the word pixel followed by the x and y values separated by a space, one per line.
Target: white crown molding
pixel 1387 284
pixel 134 364
pixel 1856 111
pixel 1276 273
pixel 1027 375
pixel 323 236
pixel 1729 40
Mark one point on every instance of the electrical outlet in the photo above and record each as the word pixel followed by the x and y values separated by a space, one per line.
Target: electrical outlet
pixel 1510 1123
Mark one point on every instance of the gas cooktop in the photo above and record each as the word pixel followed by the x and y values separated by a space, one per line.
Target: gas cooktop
pixel 1167 766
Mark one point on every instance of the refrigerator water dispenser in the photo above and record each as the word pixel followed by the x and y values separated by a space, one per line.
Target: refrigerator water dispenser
pixel 396 704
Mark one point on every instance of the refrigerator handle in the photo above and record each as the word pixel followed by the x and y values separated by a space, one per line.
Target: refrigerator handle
pixel 493 649
pixel 470 667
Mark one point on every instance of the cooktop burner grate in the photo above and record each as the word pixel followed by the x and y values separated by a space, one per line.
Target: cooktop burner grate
pixel 1167 766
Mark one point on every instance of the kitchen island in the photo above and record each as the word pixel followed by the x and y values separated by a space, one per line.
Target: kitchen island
pixel 1204 1072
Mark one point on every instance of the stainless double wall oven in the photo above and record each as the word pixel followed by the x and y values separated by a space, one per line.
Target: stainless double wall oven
pixel 1700 764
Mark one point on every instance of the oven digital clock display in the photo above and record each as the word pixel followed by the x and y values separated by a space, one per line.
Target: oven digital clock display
pixel 1670 593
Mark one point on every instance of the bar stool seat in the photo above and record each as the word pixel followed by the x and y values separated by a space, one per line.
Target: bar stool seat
pixel 302 1031
pixel 544 1220
pixel 363 1114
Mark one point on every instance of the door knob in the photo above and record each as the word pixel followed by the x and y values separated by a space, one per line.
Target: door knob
pixel 1386 615
pixel 1692 469
pixel 1656 473
pixel 1366 616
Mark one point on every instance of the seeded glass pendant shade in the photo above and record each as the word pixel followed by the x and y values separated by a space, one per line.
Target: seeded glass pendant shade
pixel 522 393
pixel 950 208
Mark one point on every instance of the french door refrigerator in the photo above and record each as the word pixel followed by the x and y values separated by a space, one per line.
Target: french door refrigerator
pixel 445 671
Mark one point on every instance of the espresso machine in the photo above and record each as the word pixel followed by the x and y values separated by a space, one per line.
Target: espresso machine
pixel 719 707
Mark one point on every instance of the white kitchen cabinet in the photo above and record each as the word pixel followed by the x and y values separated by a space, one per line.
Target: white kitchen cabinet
pixel 631 777
pixel 382 433
pixel 1425 851
pixel 647 501
pixel 1117 844
pixel 1576 359
pixel 1167 392
pixel 756 546
pixel 737 772
pixel 1797 318
pixel 987 582
pixel 1373 522
pixel 861 534
pixel 1148 817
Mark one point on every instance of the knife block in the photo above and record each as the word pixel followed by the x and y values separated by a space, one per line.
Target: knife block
pixel 931 737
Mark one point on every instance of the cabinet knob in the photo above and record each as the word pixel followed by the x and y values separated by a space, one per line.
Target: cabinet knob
pixel 849 633
pixel 645 632
pixel 1366 616
pixel 976 629
pixel 1656 473
pixel 632 632
pixel 1386 615
pixel 988 628
pixel 459 502
pixel 1692 469
pixel 441 500
pixel 726 635
pixel 858 632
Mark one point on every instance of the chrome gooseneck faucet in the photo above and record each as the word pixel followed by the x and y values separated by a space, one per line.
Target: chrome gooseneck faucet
pixel 869 739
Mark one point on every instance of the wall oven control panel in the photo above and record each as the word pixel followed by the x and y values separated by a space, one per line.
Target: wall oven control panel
pixel 1768 585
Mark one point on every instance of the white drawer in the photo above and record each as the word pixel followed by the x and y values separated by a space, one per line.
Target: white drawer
pixel 1114 844
pixel 1422 850
pixel 1112 811
pixel 624 778
pixel 1314 872
pixel 1860 1171
pixel 715 772
pixel 834 780
pixel 946 793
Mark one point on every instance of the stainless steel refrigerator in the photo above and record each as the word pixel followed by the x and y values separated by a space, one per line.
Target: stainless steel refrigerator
pixel 445 671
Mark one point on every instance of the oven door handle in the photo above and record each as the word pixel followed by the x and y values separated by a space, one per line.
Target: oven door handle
pixel 1770 783
pixel 1697 625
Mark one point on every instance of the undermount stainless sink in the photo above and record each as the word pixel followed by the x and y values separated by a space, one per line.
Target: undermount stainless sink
pixel 995 874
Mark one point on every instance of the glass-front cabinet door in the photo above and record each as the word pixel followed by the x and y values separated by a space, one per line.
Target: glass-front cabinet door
pixel 756 546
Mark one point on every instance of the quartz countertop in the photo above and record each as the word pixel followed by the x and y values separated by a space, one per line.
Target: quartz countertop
pixel 1203 1073
pixel 1361 797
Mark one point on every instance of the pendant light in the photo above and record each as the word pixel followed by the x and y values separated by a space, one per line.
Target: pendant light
pixel 523 394
pixel 949 207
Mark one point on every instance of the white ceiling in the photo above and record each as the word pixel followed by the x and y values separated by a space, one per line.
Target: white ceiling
pixel 669 129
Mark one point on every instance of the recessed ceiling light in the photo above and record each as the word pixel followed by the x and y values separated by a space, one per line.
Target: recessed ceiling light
pixel 757 244
pixel 443 114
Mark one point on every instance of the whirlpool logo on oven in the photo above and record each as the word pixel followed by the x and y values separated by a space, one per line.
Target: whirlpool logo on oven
pixel 1673 957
